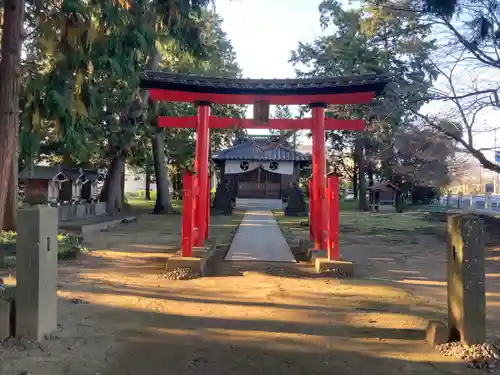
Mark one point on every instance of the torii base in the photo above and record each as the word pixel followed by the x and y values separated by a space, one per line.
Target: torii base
pixel 341 268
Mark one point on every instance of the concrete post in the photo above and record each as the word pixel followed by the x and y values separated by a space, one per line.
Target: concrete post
pixel 36 291
pixel 466 278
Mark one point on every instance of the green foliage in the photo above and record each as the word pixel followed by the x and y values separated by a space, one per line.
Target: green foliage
pixel 141 194
pixel 80 100
pixel 69 245
pixel 283 111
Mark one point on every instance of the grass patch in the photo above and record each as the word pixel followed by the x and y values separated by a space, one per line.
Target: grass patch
pixel 141 194
pixel 388 227
pixel 378 224
pixel 397 227
pixel 69 245
pixel 291 227
pixel 223 227
pixel 350 205
pixel 142 203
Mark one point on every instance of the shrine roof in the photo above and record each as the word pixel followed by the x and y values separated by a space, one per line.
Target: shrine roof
pixel 92 174
pixel 40 173
pixel 187 87
pixel 248 150
pixel 48 173
pixel 72 173
pixel 383 186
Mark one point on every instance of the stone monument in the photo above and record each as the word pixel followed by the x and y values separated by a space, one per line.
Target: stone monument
pixel 466 279
pixel 36 290
pixel 296 204
pixel 222 201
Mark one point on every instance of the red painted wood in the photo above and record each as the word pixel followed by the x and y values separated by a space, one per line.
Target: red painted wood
pixel 319 178
pixel 333 208
pixel 209 203
pixel 311 207
pixel 280 124
pixel 187 214
pixel 185 96
pixel 201 170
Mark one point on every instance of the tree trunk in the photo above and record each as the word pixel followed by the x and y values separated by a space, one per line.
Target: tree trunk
pixel 113 191
pixel 10 72
pixel 148 183
pixel 10 217
pixel 122 186
pixel 361 166
pixel 370 174
pixel 163 201
pixel 67 162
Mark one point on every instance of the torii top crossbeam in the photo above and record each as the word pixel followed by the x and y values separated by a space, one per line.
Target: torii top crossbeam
pixel 318 93
pixel 175 87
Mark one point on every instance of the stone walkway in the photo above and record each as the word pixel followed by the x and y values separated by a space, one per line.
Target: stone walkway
pixel 259 239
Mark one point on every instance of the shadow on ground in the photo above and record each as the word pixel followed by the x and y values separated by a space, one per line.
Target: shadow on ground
pixel 117 317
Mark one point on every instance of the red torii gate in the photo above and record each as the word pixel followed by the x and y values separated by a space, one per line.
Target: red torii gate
pixel 318 93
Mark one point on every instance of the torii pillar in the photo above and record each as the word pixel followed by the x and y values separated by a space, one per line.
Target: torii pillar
pixel 320 212
pixel 201 172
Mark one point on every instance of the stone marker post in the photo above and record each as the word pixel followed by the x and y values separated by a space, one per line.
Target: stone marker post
pixel 36 291
pixel 466 278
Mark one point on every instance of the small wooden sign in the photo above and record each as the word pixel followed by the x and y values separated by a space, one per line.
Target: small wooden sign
pixel 261 112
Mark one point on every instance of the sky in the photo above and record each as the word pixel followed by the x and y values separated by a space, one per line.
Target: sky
pixel 264 32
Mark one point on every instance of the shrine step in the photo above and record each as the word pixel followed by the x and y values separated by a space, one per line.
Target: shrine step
pixel 85 227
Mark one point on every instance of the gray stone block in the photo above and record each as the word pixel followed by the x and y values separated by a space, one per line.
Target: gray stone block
pixel 80 211
pixel 341 268
pixel 100 208
pixel 65 212
pixel 315 253
pixel 466 279
pixel 304 246
pixel 6 306
pixel 36 291
pixel 175 262
pixel 436 333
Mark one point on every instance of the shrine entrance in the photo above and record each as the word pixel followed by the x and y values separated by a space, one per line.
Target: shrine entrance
pixel 259 184
pixel 257 168
pixel 317 93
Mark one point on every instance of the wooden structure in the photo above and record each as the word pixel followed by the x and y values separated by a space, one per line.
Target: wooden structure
pixel 42 184
pixel 91 190
pixel 317 93
pixel 71 190
pixel 383 193
pixel 252 171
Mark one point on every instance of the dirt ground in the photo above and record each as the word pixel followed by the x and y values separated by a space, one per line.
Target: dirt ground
pixel 116 317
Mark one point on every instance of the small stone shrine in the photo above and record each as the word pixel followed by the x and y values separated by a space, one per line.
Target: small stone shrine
pixel 222 202
pixel 296 204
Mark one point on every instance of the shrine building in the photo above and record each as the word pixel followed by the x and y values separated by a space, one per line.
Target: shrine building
pixel 254 168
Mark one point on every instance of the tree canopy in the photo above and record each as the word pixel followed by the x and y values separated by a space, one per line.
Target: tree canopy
pixel 379 40
pixel 79 102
